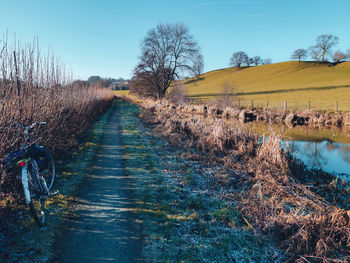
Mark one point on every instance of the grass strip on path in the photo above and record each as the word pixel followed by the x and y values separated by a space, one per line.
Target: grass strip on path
pixel 184 220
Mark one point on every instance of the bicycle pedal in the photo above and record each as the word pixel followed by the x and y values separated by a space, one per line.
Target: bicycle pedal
pixel 54 193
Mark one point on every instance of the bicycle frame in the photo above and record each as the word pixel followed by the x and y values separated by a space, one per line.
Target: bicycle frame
pixel 25 183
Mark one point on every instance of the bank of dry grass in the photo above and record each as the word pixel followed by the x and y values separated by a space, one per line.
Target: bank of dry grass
pixel 305 213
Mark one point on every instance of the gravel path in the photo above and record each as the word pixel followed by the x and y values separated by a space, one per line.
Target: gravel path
pixel 105 229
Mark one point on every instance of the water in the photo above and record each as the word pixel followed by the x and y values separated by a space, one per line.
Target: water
pixel 327 155
pixel 326 149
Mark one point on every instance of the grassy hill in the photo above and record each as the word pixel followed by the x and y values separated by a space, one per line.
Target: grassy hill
pixel 295 82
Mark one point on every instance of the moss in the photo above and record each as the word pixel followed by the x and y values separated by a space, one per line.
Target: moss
pixel 228 215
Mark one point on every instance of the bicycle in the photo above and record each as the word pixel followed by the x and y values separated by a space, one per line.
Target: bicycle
pixel 37 172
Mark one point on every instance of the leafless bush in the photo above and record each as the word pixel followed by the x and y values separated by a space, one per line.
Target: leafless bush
pixel 177 94
pixel 228 96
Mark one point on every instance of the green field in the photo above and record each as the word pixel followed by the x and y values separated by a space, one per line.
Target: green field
pixel 297 83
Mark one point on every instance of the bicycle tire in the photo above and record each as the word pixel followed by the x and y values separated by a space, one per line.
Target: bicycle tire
pixel 37 210
pixel 50 173
pixel 37 203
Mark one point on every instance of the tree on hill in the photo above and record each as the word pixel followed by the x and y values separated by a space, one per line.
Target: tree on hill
pixel 338 56
pixel 257 60
pixel 323 47
pixel 167 53
pixel 238 59
pixel 267 61
pixel 299 54
pixel 347 55
pixel 198 65
pixel 249 61
pixel 314 53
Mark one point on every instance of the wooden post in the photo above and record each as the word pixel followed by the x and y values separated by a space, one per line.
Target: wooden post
pixel 309 105
pixel 285 105
pixel 239 103
pixel 252 104
pixel 267 104
pixel 336 107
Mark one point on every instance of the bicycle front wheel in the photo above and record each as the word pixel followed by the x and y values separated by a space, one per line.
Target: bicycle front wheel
pixel 37 210
pixel 37 203
pixel 49 173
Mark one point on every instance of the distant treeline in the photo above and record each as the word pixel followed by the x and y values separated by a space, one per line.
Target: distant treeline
pixel 111 83
pixel 322 51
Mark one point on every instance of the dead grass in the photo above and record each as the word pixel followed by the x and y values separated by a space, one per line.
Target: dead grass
pixel 276 198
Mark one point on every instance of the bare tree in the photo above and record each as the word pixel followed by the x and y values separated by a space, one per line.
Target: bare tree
pixel 299 54
pixel 257 60
pixel 323 47
pixel 238 59
pixel 314 53
pixel 142 84
pixel 198 65
pixel 347 55
pixel 249 61
pixel 338 56
pixel 267 61
pixel 168 52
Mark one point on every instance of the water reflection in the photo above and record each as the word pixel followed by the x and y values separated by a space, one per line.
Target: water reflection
pixel 325 149
pixel 327 155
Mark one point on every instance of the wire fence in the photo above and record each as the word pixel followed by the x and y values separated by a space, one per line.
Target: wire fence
pixel 329 106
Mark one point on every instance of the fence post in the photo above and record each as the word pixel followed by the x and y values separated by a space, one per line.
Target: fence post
pixel 336 107
pixel 239 103
pixel 252 104
pixel 309 105
pixel 285 105
pixel 267 104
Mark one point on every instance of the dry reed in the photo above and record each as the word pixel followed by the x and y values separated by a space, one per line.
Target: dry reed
pixel 308 223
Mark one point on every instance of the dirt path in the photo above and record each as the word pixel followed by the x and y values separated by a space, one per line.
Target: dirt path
pixel 104 229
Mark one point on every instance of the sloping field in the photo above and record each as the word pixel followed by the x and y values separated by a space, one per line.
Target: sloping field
pixel 295 82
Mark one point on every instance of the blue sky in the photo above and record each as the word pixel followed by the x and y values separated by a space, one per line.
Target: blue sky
pixel 102 37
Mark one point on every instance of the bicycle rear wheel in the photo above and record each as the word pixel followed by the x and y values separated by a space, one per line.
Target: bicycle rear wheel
pixel 37 204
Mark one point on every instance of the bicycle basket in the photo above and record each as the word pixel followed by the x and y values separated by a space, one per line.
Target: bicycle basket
pixel 11 159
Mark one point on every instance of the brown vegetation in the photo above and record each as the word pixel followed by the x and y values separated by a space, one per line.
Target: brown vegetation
pixel 35 88
pixel 286 117
pixel 303 211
